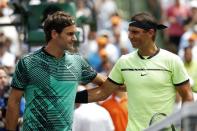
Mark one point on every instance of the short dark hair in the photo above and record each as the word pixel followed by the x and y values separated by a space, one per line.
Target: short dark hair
pixel 57 21
pixel 146 21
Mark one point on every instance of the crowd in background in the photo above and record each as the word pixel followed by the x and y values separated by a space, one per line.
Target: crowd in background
pixel 105 41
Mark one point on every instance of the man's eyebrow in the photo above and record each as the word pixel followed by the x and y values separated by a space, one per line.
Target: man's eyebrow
pixel 70 33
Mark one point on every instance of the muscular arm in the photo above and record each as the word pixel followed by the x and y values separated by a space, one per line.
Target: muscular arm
pixel 82 96
pixel 99 79
pixel 102 92
pixel 12 113
pixel 185 92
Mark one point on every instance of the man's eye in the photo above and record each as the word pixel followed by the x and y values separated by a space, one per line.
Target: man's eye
pixel 71 33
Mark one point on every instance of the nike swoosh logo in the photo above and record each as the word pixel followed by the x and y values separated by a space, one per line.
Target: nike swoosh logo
pixel 143 74
pixel 68 66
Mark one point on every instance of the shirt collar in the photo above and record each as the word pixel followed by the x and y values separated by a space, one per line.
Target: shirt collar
pixel 149 57
pixel 46 53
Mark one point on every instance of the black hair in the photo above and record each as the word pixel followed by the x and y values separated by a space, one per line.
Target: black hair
pixel 143 17
pixel 146 21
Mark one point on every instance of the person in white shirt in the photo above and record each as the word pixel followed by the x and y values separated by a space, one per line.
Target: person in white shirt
pixel 6 59
pixel 91 117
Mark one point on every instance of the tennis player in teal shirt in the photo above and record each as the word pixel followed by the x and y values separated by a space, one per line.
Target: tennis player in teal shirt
pixel 48 78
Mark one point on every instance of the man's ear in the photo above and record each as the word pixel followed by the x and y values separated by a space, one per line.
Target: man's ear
pixel 151 32
pixel 54 34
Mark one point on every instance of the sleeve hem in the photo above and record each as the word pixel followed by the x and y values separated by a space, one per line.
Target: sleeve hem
pixel 114 81
pixel 182 83
pixel 17 88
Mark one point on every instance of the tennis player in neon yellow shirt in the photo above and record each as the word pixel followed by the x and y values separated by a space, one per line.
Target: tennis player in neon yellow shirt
pixel 151 75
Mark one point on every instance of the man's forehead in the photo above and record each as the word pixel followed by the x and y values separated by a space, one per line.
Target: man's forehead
pixel 71 28
pixel 134 28
pixel 2 73
pixel 146 25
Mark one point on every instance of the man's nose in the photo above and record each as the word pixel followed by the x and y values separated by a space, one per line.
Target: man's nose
pixel 74 38
pixel 130 36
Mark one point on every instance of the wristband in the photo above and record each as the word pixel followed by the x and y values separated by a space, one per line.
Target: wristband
pixel 82 97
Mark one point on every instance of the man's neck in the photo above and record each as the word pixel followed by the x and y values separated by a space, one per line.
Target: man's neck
pixel 54 51
pixel 148 51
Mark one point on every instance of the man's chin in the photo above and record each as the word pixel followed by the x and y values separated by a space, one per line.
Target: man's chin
pixel 134 46
pixel 71 49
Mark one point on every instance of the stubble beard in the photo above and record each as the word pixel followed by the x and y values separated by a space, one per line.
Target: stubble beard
pixel 71 48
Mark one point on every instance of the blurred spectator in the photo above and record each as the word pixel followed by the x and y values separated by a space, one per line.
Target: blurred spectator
pixel 191 28
pixel 10 31
pixel 90 44
pixel 103 55
pixel 6 59
pixel 3 3
pixel 8 43
pixel 105 8
pixel 94 58
pixel 189 38
pixel 154 7
pixel 118 110
pixel 21 112
pixel 106 63
pixel 121 42
pixel 113 51
pixel 191 66
pixel 91 117
pixel 82 10
pixel 192 20
pixel 4 86
pixel 119 34
pixel 4 94
pixel 177 14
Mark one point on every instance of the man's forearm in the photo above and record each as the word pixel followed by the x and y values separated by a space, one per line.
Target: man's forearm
pixel 91 95
pixel 98 94
pixel 185 92
pixel 12 116
pixel 188 99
